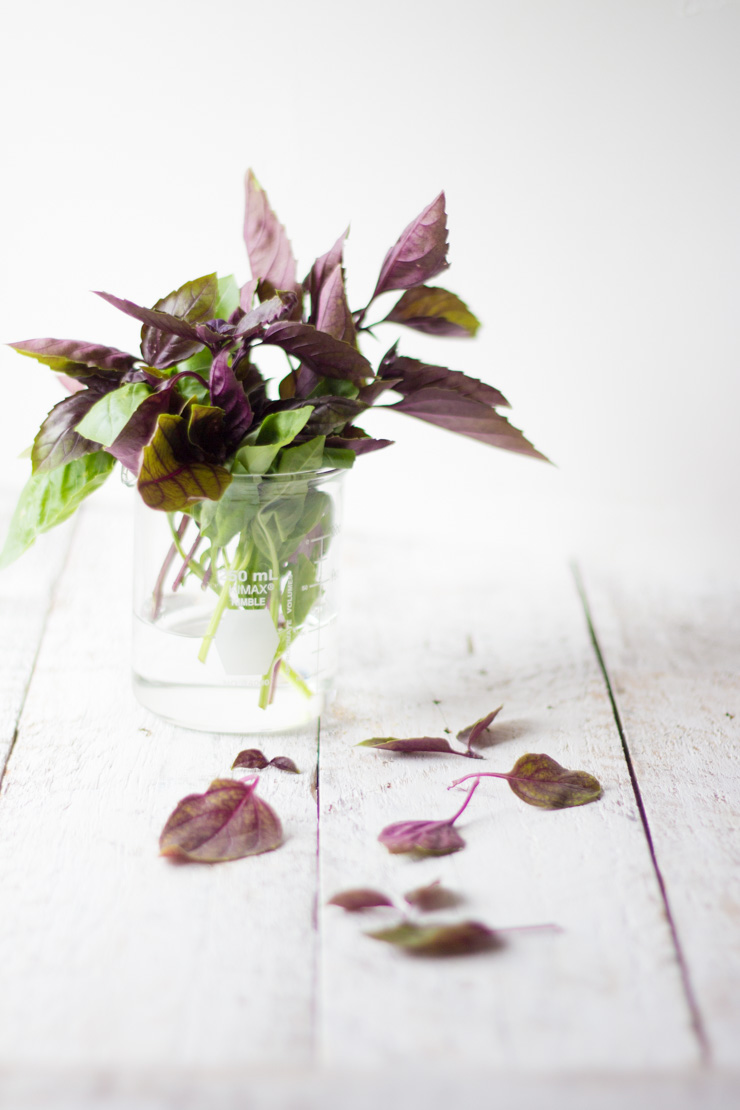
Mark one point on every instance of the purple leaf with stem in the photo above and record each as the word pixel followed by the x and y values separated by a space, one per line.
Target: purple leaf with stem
pixel 326 356
pixel 540 781
pixel 419 253
pixel 473 732
pixel 414 744
pixel 426 838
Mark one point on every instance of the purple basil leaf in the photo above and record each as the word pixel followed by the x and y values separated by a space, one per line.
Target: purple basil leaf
pixel 246 294
pixel 473 732
pixel 462 939
pixel 270 254
pixel 169 334
pixel 228 822
pixel 130 443
pixel 332 314
pixel 206 430
pixel 331 415
pixel 251 758
pixel 57 442
pixel 370 393
pixel 425 838
pixel 415 744
pixel 284 763
pixel 540 781
pixel 268 312
pixel 420 253
pixel 432 897
pixel 229 395
pixel 434 311
pixel 321 269
pixel 168 479
pixel 355 901
pixel 448 409
pixel 354 439
pixel 326 356
pixel 412 375
pixel 74 357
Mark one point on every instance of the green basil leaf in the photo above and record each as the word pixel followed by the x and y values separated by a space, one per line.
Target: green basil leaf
pixel 49 497
pixel 109 416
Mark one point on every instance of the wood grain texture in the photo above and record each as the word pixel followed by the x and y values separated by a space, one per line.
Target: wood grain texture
pixel 433 645
pixel 115 956
pixel 672 652
pixel 26 589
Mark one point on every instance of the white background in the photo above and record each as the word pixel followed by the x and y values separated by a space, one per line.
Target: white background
pixel 590 156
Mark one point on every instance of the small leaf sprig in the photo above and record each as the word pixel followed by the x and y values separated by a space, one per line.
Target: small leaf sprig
pixel 420 744
pixel 460 938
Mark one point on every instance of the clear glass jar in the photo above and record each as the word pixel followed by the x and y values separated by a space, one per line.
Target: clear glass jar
pixel 235 604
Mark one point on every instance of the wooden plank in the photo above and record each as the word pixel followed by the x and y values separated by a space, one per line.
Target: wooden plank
pixel 113 956
pixel 433 1087
pixel 26 589
pixel 672 651
pixel 434 645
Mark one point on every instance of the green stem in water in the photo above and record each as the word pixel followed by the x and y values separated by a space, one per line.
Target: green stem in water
pixel 223 602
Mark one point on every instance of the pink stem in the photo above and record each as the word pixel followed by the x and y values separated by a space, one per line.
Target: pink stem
pixel 181 573
pixel 463 807
pixel 273 681
pixel 479 775
pixel 169 558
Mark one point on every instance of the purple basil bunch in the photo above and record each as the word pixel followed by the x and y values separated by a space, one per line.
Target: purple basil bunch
pixel 192 409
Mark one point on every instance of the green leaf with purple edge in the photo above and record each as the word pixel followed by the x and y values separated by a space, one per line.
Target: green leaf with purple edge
pixel 432 897
pixel 228 822
pixel 355 901
pixel 57 440
pixel 420 253
pixel 462 939
pixel 326 356
pixel 413 745
pixel 434 311
pixel 170 479
pixel 268 247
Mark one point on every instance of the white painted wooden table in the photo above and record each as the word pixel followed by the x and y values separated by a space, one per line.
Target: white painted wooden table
pixel 127 981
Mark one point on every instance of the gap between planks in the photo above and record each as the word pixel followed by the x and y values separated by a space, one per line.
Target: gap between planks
pixel 697 1021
